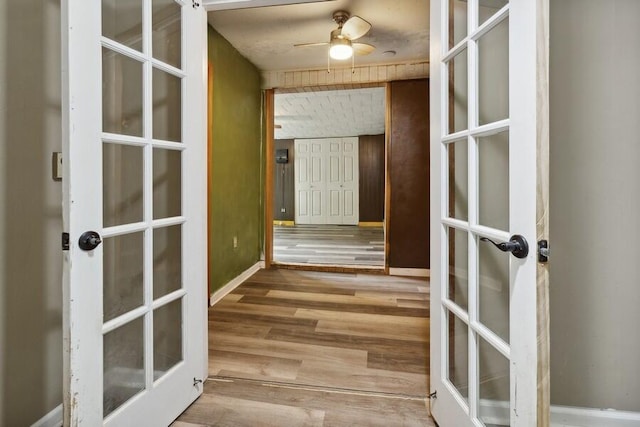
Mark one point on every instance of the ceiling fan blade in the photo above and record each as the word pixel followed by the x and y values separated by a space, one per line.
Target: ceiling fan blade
pixel 310 44
pixel 355 27
pixel 362 48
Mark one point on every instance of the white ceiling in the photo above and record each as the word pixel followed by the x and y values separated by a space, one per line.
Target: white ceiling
pixel 330 114
pixel 266 35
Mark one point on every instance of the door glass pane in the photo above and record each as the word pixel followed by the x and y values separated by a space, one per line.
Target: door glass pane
pixel 493 74
pixel 458 180
pixel 123 365
pixel 493 185
pixel 493 268
pixel 122 274
pixel 458 93
pixel 121 94
pixel 122 22
pixel 167 337
pixel 167 32
pixel 167 106
pixel 494 394
pixel 457 21
pixel 459 268
pixel 458 352
pixel 488 8
pixel 122 184
pixel 167 260
pixel 167 181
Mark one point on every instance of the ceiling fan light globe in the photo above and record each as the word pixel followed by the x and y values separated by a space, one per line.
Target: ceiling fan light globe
pixel 340 51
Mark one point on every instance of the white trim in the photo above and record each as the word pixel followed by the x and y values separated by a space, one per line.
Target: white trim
pixel 210 5
pixel 240 279
pixel 52 419
pixel 564 416
pixel 494 411
pixel 411 272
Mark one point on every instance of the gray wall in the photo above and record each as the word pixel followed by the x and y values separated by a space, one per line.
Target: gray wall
pixel 595 203
pixel 30 211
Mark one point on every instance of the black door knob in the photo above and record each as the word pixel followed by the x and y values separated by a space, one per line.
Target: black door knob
pixel 89 240
pixel 517 245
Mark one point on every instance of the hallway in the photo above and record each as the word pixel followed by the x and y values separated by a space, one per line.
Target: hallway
pixel 306 348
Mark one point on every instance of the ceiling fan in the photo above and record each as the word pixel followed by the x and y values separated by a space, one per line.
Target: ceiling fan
pixel 341 42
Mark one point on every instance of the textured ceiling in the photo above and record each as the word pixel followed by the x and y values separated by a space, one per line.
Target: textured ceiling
pixel 329 114
pixel 266 35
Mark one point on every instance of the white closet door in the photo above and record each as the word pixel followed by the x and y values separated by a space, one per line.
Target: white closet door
pixel 335 195
pixel 326 181
pixel 309 181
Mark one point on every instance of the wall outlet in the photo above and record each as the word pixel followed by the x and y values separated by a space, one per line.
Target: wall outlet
pixel 235 242
pixel 283 210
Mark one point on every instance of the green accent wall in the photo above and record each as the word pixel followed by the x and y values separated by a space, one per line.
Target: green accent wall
pixel 236 187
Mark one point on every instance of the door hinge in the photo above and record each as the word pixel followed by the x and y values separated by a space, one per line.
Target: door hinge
pixel 195 4
pixel 65 241
pixel 433 395
pixel 543 251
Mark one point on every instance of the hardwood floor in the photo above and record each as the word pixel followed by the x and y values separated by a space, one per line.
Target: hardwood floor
pixel 329 245
pixel 290 348
pixel 240 403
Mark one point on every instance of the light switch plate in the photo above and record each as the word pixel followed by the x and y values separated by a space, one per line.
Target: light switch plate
pixel 56 166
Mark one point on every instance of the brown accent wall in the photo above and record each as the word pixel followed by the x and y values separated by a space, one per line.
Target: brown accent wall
pixel 408 225
pixel 283 181
pixel 371 170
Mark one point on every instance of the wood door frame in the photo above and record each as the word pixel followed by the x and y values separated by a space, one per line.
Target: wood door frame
pixel 269 100
pixel 387 172
pixel 269 107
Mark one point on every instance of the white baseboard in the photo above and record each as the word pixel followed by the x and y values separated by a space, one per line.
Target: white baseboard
pixel 565 416
pixel 52 419
pixel 223 291
pixel 412 272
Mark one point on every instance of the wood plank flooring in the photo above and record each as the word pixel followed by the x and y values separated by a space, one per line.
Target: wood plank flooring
pixel 246 403
pixel 290 348
pixel 329 245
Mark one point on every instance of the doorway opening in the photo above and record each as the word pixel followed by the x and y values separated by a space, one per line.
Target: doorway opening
pixel 328 181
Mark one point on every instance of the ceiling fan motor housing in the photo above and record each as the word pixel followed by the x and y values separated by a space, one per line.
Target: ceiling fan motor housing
pixel 336 35
pixel 340 17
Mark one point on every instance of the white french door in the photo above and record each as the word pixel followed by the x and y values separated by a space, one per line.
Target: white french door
pixel 134 204
pixel 488 83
